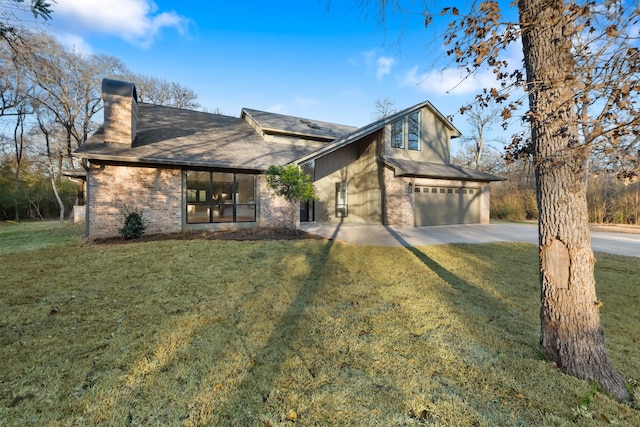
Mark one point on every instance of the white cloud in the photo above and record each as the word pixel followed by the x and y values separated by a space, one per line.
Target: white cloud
pixel 384 64
pixel 373 61
pixel 448 81
pixel 456 81
pixel 75 43
pixel 136 21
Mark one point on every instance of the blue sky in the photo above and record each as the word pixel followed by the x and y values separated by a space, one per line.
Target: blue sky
pixel 319 59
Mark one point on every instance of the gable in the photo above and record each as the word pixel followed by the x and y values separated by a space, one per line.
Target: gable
pixel 289 129
pixel 421 135
pixel 384 123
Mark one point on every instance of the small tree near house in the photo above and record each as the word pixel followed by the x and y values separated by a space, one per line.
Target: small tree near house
pixel 134 224
pixel 292 183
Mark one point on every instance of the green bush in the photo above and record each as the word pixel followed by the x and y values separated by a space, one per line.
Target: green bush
pixel 134 225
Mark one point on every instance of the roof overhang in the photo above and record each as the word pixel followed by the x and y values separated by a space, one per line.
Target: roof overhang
pixel 412 168
pixel 167 163
pixel 75 173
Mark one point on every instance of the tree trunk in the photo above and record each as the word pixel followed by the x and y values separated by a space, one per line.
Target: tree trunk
pixel 16 189
pixel 571 336
pixel 294 214
pixel 57 194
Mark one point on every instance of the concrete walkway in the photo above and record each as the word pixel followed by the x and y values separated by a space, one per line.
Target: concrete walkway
pixel 614 243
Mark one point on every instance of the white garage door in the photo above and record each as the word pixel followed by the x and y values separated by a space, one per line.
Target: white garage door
pixel 446 205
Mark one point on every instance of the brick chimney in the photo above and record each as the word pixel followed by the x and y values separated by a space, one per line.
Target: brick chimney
pixel 120 111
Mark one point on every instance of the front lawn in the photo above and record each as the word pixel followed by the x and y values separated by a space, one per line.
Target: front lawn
pixel 306 332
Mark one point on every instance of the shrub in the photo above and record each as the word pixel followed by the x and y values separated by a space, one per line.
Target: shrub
pixel 134 225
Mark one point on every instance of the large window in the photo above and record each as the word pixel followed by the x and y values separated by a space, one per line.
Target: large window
pixel 406 132
pixel 219 197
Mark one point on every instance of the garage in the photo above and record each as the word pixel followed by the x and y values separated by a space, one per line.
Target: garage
pixel 446 205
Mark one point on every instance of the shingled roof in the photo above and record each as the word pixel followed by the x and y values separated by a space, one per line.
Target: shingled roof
pixel 178 137
pixel 273 123
pixel 438 170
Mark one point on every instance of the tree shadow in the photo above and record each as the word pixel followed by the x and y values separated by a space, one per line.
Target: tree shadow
pixel 503 314
pixel 268 362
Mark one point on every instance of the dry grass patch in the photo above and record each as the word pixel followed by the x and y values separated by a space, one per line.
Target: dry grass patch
pixel 203 332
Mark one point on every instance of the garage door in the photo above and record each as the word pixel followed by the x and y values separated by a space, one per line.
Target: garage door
pixel 446 205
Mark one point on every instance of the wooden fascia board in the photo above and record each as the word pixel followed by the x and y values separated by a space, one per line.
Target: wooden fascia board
pixel 138 161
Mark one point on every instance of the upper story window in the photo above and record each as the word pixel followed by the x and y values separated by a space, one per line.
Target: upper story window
pixel 406 132
pixel 397 134
pixel 413 133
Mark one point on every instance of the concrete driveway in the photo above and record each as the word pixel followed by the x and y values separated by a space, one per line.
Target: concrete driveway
pixel 614 243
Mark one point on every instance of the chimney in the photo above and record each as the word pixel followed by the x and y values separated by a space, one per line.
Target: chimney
pixel 120 111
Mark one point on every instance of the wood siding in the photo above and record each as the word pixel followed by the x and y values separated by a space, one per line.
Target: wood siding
pixel 357 166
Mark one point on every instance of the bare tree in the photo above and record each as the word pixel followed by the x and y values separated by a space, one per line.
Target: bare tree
pixel 65 83
pixel 14 105
pixel 384 108
pixel 158 91
pixel 481 120
pixel 46 132
pixel 10 23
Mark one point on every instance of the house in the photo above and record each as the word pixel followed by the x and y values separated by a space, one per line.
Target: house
pixel 190 170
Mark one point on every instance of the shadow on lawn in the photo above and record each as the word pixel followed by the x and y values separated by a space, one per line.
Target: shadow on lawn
pixel 500 314
pixel 270 359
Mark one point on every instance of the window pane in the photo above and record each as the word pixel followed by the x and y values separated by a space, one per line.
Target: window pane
pixel 222 187
pixel 414 131
pixel 222 197
pixel 397 134
pixel 197 213
pixel 197 200
pixel 197 186
pixel 245 188
pixel 245 198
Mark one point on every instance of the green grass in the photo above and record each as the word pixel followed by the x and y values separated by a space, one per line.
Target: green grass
pixel 17 237
pixel 294 333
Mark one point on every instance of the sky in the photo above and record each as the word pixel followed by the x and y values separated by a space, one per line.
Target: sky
pixel 326 60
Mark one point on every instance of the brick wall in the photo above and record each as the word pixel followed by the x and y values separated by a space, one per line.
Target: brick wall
pixel 157 193
pixel 399 200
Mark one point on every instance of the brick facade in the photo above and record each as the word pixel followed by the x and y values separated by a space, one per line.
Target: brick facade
pixel 398 199
pixel 157 193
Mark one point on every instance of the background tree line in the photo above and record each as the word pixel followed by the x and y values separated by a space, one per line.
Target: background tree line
pixel 612 195
pixel 49 104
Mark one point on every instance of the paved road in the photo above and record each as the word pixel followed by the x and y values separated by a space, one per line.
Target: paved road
pixel 614 243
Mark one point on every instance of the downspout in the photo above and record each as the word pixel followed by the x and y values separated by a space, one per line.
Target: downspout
pixel 87 198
